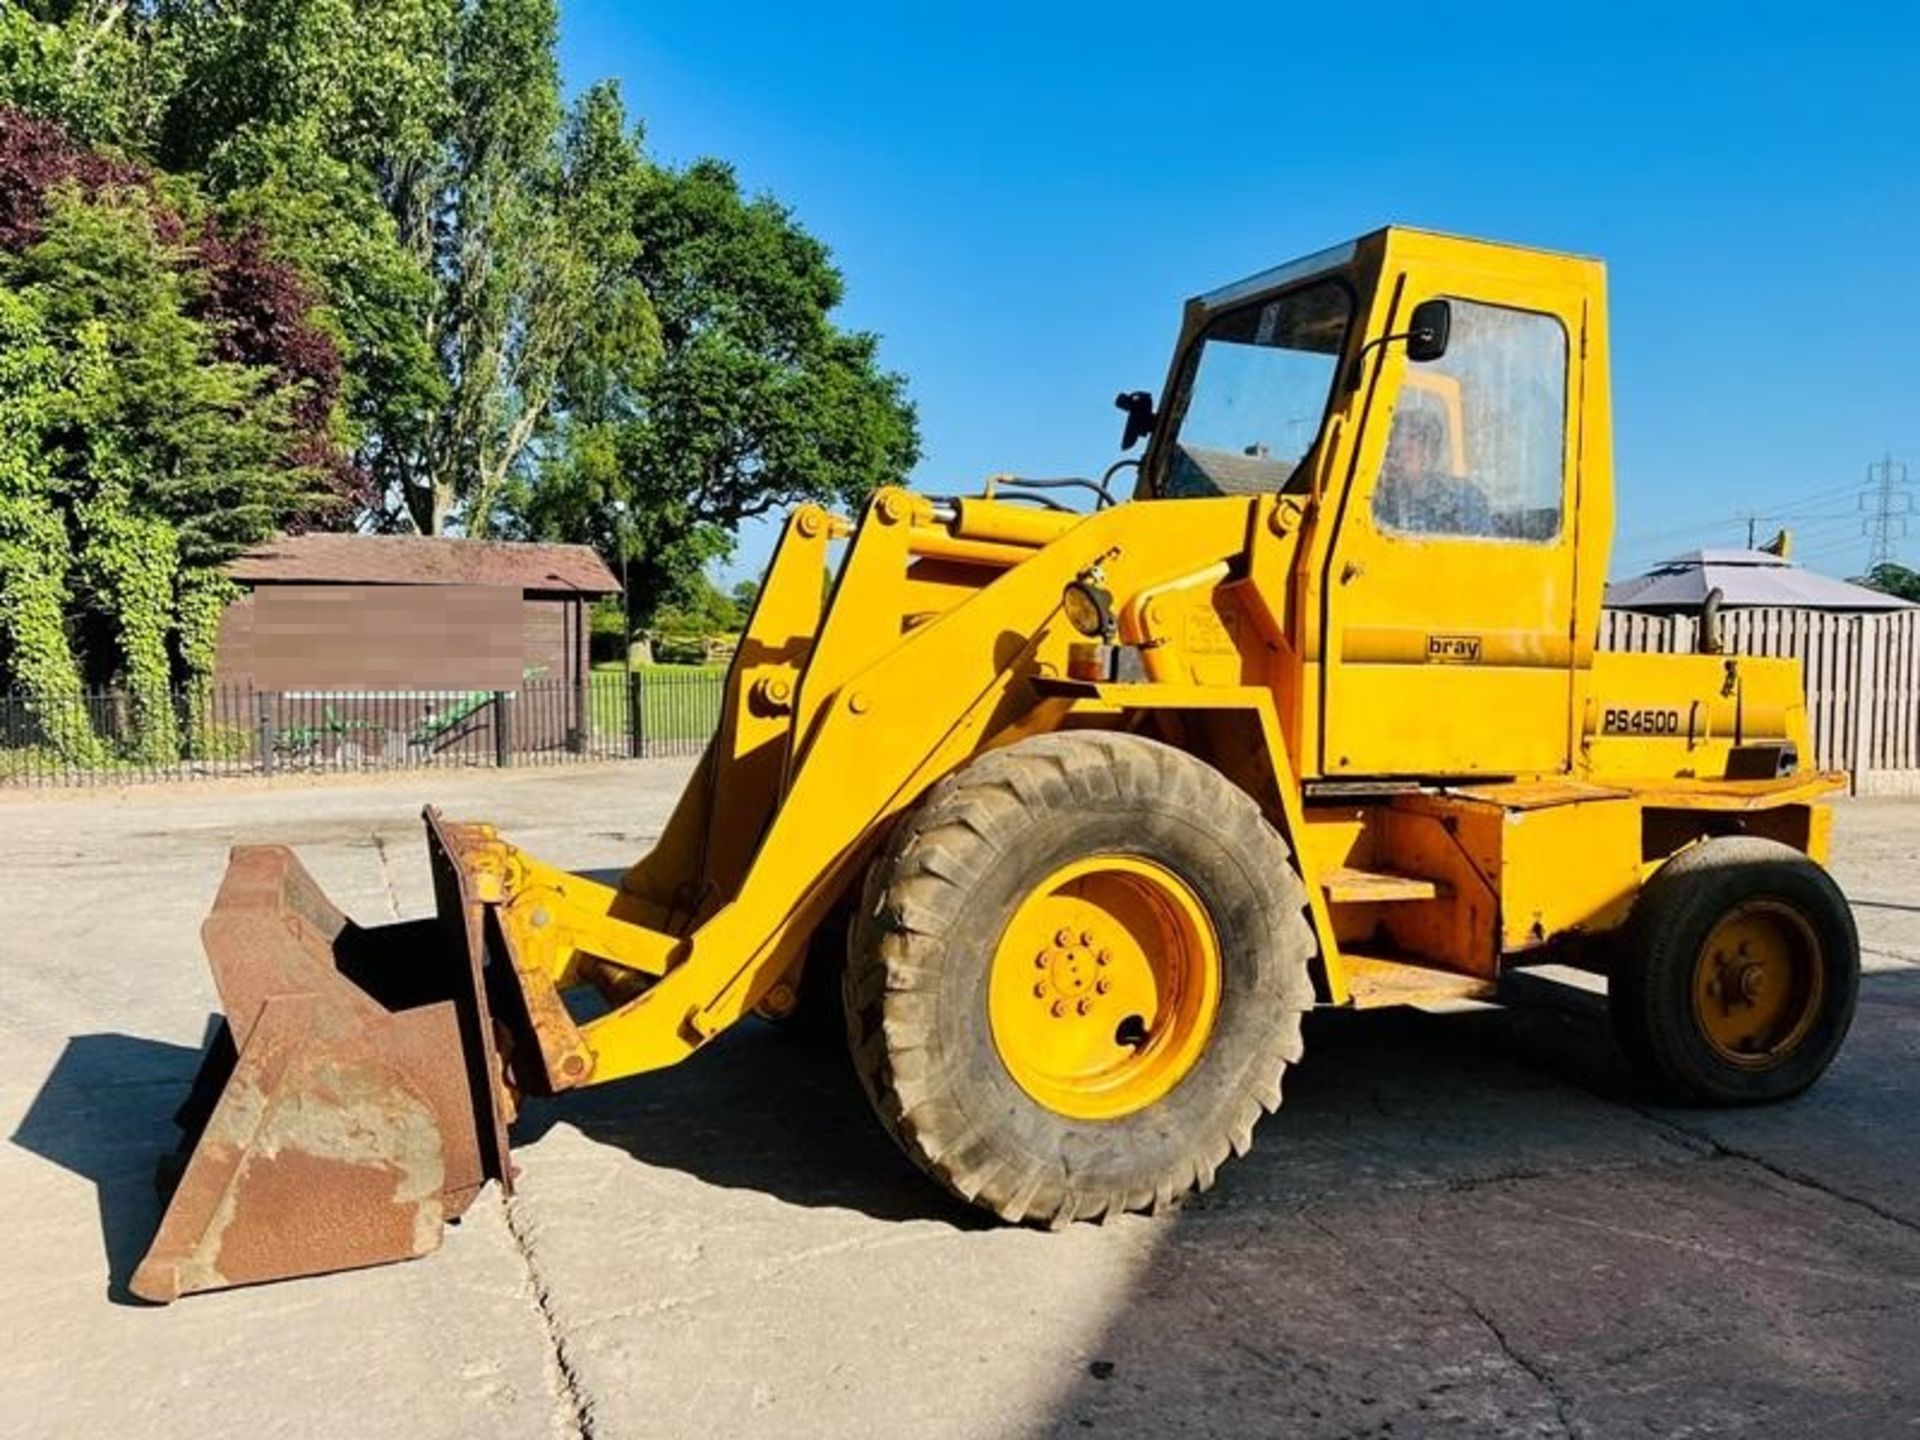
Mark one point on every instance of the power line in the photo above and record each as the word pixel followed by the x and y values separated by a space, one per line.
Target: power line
pixel 1888 503
pixel 1829 548
pixel 1829 545
pixel 1882 508
pixel 1834 525
pixel 1791 508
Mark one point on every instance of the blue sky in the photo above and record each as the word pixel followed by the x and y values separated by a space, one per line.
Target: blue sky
pixel 1022 196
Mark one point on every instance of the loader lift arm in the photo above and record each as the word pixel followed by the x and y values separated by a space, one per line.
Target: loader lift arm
pixel 884 716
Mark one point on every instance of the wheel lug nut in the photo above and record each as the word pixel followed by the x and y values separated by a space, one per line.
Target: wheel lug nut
pixel 1086 937
pixel 1040 961
pixel 1065 937
pixel 1103 985
pixel 1040 989
pixel 1104 957
pixel 1059 1008
pixel 1084 1006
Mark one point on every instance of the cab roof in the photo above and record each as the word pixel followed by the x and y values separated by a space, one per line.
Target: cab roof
pixel 1337 255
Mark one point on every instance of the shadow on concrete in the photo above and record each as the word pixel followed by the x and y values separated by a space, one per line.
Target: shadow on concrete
pixel 763 1108
pixel 1472 1224
pixel 779 1111
pixel 772 1108
pixel 105 1112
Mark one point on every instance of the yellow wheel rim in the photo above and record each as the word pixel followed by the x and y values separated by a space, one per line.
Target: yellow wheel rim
pixel 1104 987
pixel 1758 984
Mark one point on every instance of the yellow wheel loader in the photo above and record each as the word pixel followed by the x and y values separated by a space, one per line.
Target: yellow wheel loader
pixel 1076 812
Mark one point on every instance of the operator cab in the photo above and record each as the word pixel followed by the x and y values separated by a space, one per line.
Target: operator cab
pixel 1420 396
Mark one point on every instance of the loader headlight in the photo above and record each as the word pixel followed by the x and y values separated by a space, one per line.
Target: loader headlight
pixel 1088 606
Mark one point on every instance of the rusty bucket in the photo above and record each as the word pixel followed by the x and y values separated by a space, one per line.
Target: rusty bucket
pixel 352 1101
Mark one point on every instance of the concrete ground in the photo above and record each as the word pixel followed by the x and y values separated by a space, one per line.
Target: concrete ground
pixel 1461 1223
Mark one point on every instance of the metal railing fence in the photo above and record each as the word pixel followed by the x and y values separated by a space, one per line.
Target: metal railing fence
pixel 113 737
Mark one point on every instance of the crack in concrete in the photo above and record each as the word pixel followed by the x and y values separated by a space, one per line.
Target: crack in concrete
pixel 1724 1329
pixel 386 874
pixel 1214 1209
pixel 1718 1254
pixel 1534 1370
pixel 570 1392
pixel 1904 958
pixel 772 1270
pixel 1539 1373
pixel 1720 1149
pixel 1801 1179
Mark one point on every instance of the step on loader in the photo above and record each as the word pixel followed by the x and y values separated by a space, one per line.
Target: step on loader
pixel 1074 812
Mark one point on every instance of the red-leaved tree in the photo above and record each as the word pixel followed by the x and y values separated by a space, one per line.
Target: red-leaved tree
pixel 35 157
pixel 261 309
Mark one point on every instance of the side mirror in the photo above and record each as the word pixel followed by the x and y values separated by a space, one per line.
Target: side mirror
pixel 1138 405
pixel 1427 335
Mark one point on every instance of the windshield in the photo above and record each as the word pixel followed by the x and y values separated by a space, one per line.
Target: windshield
pixel 1255 391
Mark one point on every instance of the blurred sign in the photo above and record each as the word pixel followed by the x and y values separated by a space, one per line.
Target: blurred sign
pixel 387 637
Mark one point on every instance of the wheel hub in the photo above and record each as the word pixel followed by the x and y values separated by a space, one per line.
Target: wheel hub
pixel 1072 971
pixel 1758 984
pixel 1104 987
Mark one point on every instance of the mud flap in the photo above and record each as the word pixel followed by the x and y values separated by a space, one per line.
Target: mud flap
pixel 352 1102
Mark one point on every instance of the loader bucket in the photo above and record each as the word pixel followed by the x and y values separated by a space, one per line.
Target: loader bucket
pixel 350 1104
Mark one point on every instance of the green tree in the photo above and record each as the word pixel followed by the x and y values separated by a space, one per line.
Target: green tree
pixel 324 123
pixel 136 459
pixel 758 400
pixel 368 80
pixel 1892 579
pixel 471 233
pixel 36 555
pixel 323 215
pixel 543 332
pixel 153 413
pixel 543 302
pixel 706 609
pixel 102 68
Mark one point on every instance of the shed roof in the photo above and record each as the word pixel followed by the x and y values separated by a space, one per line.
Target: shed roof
pixel 1744 578
pixel 424 560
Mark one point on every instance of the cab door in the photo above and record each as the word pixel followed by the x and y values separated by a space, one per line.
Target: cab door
pixel 1449 612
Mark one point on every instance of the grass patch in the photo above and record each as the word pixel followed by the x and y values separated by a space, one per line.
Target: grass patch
pixel 678 703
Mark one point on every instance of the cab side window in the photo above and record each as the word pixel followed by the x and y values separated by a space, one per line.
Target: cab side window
pixel 1477 448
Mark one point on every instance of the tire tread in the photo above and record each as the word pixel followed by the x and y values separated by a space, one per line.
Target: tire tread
pixel 1649 980
pixel 917 888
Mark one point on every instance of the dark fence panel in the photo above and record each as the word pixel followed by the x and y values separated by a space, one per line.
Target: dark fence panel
pixel 112 737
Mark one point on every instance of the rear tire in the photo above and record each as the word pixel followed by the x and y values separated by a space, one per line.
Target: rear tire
pixel 1737 974
pixel 1113 1063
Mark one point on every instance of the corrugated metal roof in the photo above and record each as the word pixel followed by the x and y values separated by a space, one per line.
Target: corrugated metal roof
pixel 424 560
pixel 1745 578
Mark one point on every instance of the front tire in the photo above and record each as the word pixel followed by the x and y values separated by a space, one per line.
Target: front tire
pixel 1077 975
pixel 1738 974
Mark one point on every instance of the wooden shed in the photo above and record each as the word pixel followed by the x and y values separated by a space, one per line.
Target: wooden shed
pixel 416 621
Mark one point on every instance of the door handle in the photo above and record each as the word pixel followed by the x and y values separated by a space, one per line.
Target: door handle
pixel 1351 571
